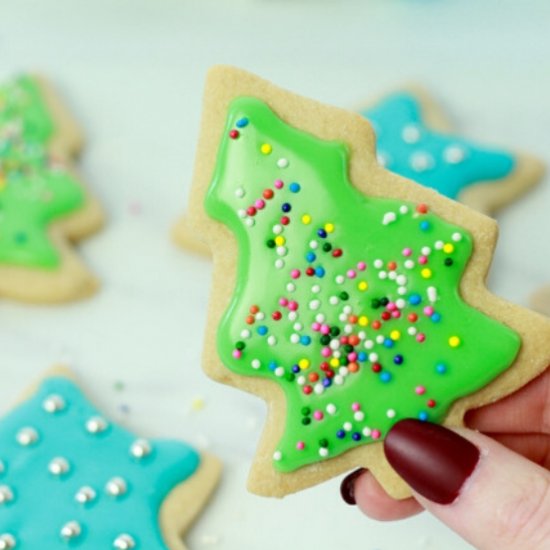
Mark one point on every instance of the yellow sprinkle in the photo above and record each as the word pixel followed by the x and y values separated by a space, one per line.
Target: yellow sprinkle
pixel 454 341
pixel 280 240
pixel 426 273
pixel 303 364
pixel 363 320
pixel 306 219
pixel 197 404
pixel 363 285
pixel 395 335
pixel 448 248
pixel 266 148
pixel 334 362
pixel 329 227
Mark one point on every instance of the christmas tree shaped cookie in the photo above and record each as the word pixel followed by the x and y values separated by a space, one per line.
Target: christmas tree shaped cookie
pixel 43 204
pixel 71 478
pixel 415 140
pixel 346 296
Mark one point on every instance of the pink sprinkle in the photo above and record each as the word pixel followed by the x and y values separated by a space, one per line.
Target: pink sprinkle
pixel 259 204
pixel 423 260
pixel 316 326
pixel 325 352
pixel 283 302
pixel 375 434
pixel 352 356
pixel 407 252
pixel 420 337
pixel 351 274
pixel 420 390
pixel 318 415
pixel 300 445
pixel 429 311
pixel 325 329
pixel 391 306
pixel 237 354
pixel 356 406
pixel 396 314
pixel 293 306
pixel 278 184
pixel 295 273
pixel 361 266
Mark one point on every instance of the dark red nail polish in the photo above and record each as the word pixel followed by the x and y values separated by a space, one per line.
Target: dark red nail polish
pixel 433 460
pixel 347 487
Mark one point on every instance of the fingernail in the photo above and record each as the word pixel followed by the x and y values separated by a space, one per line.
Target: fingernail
pixel 347 487
pixel 433 460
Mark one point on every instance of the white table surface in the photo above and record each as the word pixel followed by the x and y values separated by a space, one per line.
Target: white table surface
pixel 133 72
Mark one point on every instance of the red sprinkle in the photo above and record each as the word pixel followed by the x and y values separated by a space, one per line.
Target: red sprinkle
pixel 285 220
pixel 307 389
pixel 431 403
pixel 376 324
pixel 376 367
pixel 337 252
pixel 310 272
pixel 276 315
pixel 268 194
pixel 412 317
pixel 313 377
pixel 422 208
pixel 386 315
pixel 234 134
pixel 251 211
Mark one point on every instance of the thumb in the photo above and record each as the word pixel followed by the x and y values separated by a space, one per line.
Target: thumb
pixel 489 495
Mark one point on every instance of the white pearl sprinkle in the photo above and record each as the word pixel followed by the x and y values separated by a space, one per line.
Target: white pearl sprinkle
pixel 373 357
pixel 392 275
pixel 367 431
pixel 369 344
pixel 59 467
pixel 53 404
pixel 409 264
pixel 426 251
pixel 400 303
pixel 333 300
pixel 454 154
pixel 338 379
pixel 340 279
pixel 298 326
pixel 389 217
pixel 320 318
pixel 85 495
pixel 359 416
pixel 301 380
pixel 347 310
pixel 260 316
pixel 331 408
pixel 390 413
pixel 256 364
pixel 403 209
pixel 246 333
pixel 401 280
pixel 313 245
pixel 378 263
pixel 315 289
pixel 383 158
pixel 456 237
pixel 6 494
pixel 241 213
pixel 382 275
pixel 439 245
pixel 96 425
pixel 282 163
pixel 27 437
pixel 271 340
pixel 410 133
pixel 319 388
pixel 380 339
pixel 7 541
pixel 71 530
pixel 292 315
pixel 402 290
pixel 124 542
pixel 432 293
pixel 116 487
pixel 279 263
pixel 314 304
pixel 294 338
pixel 250 222
pixel 412 331
pixel 323 451
pixel 141 448
pixel 291 287
pixel 277 455
pixel 421 161
pixel 348 426
pixel 239 192
pixel 279 372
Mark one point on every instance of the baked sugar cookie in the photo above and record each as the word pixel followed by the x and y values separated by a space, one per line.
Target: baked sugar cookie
pixel 415 140
pixel 43 204
pixel 540 300
pixel 70 477
pixel 344 295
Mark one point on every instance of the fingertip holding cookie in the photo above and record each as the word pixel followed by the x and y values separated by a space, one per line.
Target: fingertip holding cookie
pixel 45 205
pixel 415 139
pixel 540 300
pixel 106 488
pixel 345 296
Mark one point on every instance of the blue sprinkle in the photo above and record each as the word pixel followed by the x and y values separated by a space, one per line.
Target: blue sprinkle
pixel 436 317
pixel 340 434
pixel 272 365
pixel 415 299
pixel 361 356
pixel 388 343
pixel 356 436
pixel 262 330
pixel 286 207
pixel 320 272
pixel 241 123
pixel 295 369
pixel 423 415
pixel 305 340
pixel 441 368
pixel 385 376
pixel 294 187
pixel 327 382
pixel 398 359
pixel 311 257
pixel 322 233
pixel 424 225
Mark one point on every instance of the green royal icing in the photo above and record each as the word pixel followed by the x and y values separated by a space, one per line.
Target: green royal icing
pixel 34 191
pixel 22 111
pixel 380 275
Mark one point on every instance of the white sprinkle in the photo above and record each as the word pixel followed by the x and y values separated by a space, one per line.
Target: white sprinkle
pixel 250 222
pixel 279 263
pixel 331 408
pixel 279 371
pixel 338 379
pixel 390 413
pixel 291 287
pixel 410 133
pixel 323 451
pixel 314 304
pixel 260 316
pixel 281 250
pixel 369 344
pixel 348 329
pixel 421 161
pixel 336 354
pixel 319 388
pixel 362 335
pixel 277 229
pixel 313 245
pixel 412 331
pixel 343 371
pixel 298 326
pixel 409 264
pixel 373 357
pixel 292 315
pixel 367 431
pixel 432 293
pixel 382 275
pixel 277 455
pixel 239 192
pixel 456 237
pixel 401 280
pixel 242 213
pixel 380 339
pixel 389 217
pixel 334 344
pixel 342 317
pixel 245 333
pixel 340 279
pixel 403 209
pixel 392 275
pixel 301 380
pixel 378 264
pixel 256 364
pixel 426 250
pixel 400 303
pixel 348 426
pixel 315 289
pixel 454 154
pixel 295 338
pixel 282 163
pixel 320 317
pixel 359 416
pixel 439 245
pixel 271 340
pixel 333 300
pixel 347 310
pixel 402 290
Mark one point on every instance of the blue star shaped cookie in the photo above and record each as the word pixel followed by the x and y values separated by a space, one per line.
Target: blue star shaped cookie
pixel 70 478
pixel 414 140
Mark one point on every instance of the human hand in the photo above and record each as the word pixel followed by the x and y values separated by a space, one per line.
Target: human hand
pixel 493 489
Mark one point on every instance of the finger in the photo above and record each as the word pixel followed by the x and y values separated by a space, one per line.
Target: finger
pixel 527 410
pixel 534 447
pixel 361 488
pixel 489 495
